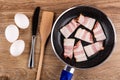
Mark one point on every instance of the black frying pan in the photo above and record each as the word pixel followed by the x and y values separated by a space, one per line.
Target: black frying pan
pixel 57 38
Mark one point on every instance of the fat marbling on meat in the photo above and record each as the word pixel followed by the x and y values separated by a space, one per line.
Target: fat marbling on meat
pixel 84 35
pixel 86 21
pixel 93 48
pixel 79 53
pixel 68 29
pixel 68 47
pixel 98 32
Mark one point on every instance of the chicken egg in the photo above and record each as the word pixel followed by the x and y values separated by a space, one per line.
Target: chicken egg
pixel 21 20
pixel 11 33
pixel 17 48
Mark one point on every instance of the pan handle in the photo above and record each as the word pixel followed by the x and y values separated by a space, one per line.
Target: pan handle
pixel 67 73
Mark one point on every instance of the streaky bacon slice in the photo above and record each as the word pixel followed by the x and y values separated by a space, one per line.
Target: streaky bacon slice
pixel 98 32
pixel 68 29
pixel 93 48
pixel 86 21
pixel 79 53
pixel 68 47
pixel 84 35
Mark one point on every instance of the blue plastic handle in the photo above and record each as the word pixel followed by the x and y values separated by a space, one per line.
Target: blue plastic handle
pixel 65 75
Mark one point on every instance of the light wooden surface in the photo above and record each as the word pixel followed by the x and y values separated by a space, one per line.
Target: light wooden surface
pixel 16 67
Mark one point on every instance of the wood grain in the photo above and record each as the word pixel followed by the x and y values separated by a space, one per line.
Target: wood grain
pixel 16 67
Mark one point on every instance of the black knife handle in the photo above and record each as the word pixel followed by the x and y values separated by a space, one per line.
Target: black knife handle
pixel 35 20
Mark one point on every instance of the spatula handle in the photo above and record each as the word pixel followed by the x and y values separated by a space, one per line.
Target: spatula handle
pixel 40 63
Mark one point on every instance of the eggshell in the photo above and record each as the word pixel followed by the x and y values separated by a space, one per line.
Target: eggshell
pixel 11 33
pixel 17 48
pixel 21 20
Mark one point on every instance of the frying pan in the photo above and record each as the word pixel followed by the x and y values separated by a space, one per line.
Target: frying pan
pixel 57 39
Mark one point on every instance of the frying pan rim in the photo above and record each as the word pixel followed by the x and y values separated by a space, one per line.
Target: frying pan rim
pixel 115 40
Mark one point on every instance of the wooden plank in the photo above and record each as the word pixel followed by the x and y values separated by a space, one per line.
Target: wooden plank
pixel 16 67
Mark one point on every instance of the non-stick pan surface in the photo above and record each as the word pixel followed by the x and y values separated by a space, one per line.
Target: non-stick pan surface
pixel 57 38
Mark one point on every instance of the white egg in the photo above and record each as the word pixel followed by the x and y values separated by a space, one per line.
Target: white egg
pixel 17 48
pixel 11 33
pixel 21 20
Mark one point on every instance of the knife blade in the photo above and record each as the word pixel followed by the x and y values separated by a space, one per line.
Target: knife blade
pixel 34 32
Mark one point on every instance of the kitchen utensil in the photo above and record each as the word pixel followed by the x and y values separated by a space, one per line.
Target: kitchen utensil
pixel 57 39
pixel 34 32
pixel 45 29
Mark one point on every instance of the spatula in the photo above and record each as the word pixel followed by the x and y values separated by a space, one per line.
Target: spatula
pixel 45 29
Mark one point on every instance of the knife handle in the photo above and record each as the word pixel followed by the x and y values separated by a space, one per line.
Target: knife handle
pixel 31 57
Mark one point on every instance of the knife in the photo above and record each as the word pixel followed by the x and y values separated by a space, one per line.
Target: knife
pixel 34 32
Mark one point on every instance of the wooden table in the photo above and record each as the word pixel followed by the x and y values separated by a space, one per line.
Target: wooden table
pixel 16 67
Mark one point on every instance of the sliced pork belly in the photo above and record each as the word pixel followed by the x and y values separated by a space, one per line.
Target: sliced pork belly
pixel 79 53
pixel 93 48
pixel 68 47
pixel 98 32
pixel 68 29
pixel 86 21
pixel 84 35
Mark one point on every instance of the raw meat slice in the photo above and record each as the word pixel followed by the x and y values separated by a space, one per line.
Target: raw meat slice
pixel 98 32
pixel 79 53
pixel 86 21
pixel 93 48
pixel 68 29
pixel 84 35
pixel 68 47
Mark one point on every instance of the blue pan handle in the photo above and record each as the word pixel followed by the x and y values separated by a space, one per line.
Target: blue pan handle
pixel 67 73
